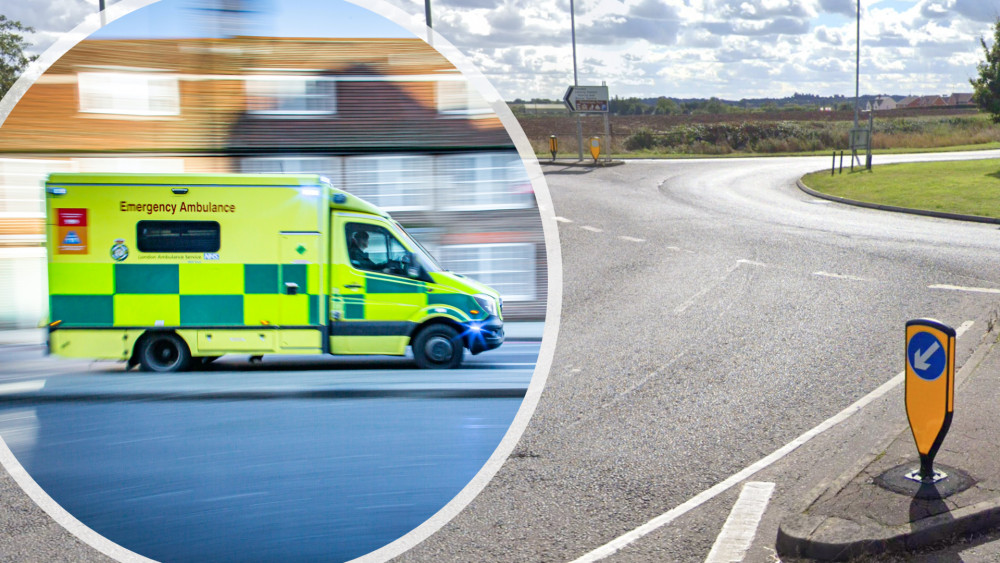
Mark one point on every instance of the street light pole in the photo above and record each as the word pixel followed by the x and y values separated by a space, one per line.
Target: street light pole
pixel 857 70
pixel 100 7
pixel 579 125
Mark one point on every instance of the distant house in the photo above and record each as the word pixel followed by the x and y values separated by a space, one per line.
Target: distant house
pixel 924 102
pixel 882 103
pixel 960 100
pixel 905 102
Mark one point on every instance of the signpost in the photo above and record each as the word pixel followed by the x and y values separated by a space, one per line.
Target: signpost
pixel 930 390
pixel 588 99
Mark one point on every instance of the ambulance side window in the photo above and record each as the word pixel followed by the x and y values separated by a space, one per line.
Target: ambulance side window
pixel 373 248
pixel 178 236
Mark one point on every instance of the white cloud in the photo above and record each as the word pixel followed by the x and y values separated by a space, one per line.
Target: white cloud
pixel 684 48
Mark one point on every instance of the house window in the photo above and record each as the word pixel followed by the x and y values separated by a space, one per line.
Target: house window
pixel 394 183
pixel 456 97
pixel 128 93
pixel 291 95
pixel 485 181
pixel 322 165
pixel 506 267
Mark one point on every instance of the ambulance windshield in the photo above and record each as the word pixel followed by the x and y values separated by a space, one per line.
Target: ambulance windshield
pixel 425 257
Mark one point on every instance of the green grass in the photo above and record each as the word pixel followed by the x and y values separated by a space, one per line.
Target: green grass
pixel 652 153
pixel 966 187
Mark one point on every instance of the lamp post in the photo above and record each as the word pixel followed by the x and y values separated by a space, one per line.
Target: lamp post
pixel 857 70
pixel 579 125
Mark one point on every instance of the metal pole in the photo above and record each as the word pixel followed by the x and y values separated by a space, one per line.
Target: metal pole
pixel 579 125
pixel 857 70
pixel 100 7
pixel 427 12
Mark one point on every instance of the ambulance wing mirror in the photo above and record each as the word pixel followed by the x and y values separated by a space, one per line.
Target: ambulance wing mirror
pixel 414 269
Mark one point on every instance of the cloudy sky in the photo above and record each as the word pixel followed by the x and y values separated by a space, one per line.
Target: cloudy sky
pixel 680 48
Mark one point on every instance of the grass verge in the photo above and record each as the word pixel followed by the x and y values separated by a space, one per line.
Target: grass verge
pixel 965 187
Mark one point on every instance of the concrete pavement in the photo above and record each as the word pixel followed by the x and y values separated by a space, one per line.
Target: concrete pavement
pixel 854 515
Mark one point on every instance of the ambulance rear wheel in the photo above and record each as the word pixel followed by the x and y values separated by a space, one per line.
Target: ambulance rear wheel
pixel 438 347
pixel 164 352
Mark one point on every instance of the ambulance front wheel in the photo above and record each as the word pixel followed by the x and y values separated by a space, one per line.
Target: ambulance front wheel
pixel 164 352
pixel 438 347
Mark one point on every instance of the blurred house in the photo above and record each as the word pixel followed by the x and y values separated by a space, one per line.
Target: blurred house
pixel 390 120
pixel 882 103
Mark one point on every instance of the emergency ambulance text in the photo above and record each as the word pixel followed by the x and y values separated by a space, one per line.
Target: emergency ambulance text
pixel 173 208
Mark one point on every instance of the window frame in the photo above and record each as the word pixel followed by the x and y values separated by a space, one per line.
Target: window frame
pixel 140 238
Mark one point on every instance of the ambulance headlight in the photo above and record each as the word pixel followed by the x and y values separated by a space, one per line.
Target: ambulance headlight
pixel 487 303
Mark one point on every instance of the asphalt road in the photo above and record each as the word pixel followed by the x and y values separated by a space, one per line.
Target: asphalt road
pixel 712 313
pixel 292 459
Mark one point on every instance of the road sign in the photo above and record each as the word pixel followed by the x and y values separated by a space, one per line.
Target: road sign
pixel 930 386
pixel 587 99
pixel 595 147
pixel 860 139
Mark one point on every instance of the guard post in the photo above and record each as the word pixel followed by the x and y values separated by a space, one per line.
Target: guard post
pixel 595 147
pixel 553 146
pixel 930 391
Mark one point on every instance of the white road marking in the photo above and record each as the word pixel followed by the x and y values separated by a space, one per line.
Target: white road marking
pixel 737 533
pixel 840 276
pixel 632 239
pixel 708 494
pixel 592 229
pixel 691 300
pixel 674 248
pixel 960 288
pixel 21 387
pixel 750 262
pixel 564 220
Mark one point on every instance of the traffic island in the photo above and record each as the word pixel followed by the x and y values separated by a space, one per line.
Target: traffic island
pixel 856 515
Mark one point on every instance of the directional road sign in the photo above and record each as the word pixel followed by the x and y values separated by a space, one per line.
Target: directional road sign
pixel 587 98
pixel 930 385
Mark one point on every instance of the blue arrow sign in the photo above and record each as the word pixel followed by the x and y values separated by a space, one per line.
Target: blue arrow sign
pixel 926 355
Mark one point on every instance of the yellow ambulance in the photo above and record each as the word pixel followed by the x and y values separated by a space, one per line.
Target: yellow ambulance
pixel 172 271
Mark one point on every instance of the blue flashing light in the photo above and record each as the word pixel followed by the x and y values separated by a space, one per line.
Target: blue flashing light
pixel 57 191
pixel 340 198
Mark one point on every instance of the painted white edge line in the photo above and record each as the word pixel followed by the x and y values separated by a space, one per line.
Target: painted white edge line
pixel 960 288
pixel 632 239
pixel 737 533
pixel 592 229
pixel 708 494
pixel 564 220
pixel 839 276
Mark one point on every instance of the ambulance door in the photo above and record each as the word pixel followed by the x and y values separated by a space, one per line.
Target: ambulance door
pixel 299 289
pixel 372 298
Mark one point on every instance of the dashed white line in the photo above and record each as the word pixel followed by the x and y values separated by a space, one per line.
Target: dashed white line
pixel 632 239
pixel 564 220
pixel 737 533
pixel 750 262
pixel 960 288
pixel 840 276
pixel 592 229
pixel 701 498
